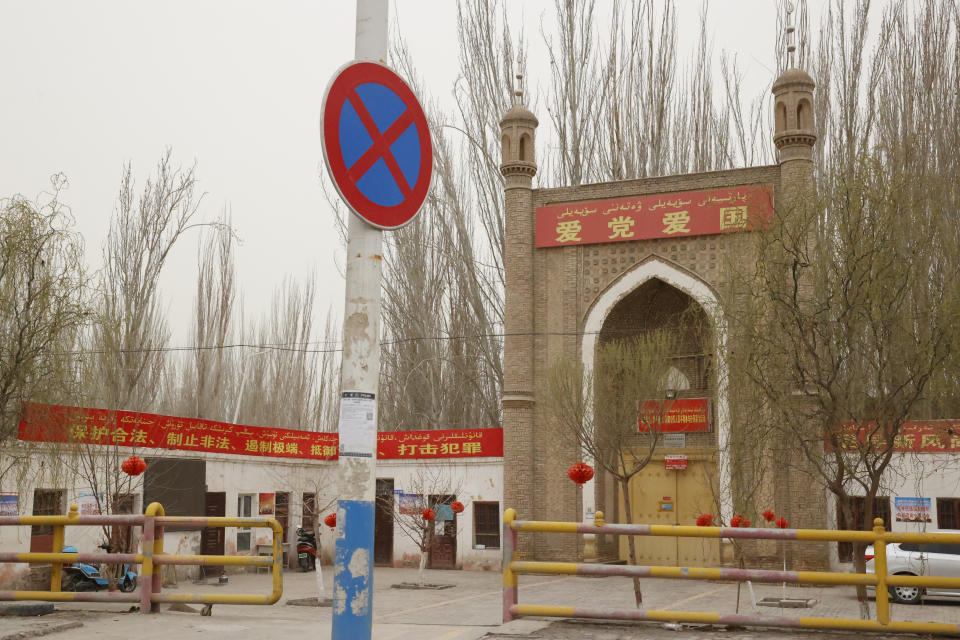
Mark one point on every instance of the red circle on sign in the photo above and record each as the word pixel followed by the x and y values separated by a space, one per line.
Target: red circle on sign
pixel 343 90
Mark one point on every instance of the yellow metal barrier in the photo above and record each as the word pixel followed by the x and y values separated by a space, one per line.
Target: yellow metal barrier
pixel 512 568
pixel 150 557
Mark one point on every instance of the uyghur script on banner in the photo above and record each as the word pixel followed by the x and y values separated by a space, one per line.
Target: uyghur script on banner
pixel 662 215
pixel 55 423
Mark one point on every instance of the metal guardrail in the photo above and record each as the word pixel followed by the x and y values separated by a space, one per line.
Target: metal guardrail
pixel 879 537
pixel 149 558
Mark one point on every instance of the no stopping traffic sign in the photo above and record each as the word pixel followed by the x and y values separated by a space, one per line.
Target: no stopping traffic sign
pixel 376 144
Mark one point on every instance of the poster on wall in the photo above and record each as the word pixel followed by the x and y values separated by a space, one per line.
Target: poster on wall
pixel 358 424
pixel 267 503
pixel 912 509
pixel 9 504
pixel 88 503
pixel 409 503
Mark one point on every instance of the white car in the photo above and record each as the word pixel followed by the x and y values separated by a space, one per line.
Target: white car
pixel 909 558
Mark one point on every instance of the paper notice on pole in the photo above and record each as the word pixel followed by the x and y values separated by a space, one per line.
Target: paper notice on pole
pixel 358 424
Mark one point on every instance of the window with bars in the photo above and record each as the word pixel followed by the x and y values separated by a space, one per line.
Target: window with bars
pixel 309 511
pixel 486 524
pixel 881 509
pixel 245 502
pixel 948 513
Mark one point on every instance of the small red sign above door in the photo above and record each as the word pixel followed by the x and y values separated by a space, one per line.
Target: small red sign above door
pixel 678 415
pixel 677 462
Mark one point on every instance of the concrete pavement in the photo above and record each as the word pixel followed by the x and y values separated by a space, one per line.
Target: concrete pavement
pixel 469 610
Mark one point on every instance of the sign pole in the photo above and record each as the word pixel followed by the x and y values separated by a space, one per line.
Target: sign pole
pixel 359 378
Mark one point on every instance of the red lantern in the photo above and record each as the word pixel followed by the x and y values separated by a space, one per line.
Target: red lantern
pixel 580 473
pixel 782 523
pixel 457 507
pixel 736 520
pixel 704 520
pixel 133 466
pixel 769 515
pixel 331 521
pixel 428 514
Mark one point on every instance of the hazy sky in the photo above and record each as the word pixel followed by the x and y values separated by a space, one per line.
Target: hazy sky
pixel 236 86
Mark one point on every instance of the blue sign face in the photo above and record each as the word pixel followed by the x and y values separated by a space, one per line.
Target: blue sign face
pixel 377 144
pixel 385 109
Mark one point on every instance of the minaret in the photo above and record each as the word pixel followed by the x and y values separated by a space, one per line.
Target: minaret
pixel 794 128
pixel 518 130
pixel 794 135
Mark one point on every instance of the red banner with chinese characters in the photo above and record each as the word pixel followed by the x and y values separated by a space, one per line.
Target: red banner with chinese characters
pixel 664 215
pixel 682 415
pixel 448 443
pixel 930 436
pixel 54 423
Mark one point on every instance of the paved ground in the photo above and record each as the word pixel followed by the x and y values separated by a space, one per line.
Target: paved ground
pixel 468 611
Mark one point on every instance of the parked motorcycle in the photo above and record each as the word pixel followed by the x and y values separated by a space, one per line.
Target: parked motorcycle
pixel 80 576
pixel 307 550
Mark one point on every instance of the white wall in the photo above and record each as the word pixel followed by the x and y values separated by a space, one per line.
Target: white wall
pixel 911 475
pixel 479 479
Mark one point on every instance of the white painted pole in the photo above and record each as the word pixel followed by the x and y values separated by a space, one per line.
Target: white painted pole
pixel 359 378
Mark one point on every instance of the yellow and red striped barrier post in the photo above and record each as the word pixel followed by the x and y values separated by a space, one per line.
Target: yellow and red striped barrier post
pixel 147 565
pixel 56 569
pixel 880 566
pixel 509 556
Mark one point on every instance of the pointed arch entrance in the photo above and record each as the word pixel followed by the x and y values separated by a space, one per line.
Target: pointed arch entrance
pixel 657 294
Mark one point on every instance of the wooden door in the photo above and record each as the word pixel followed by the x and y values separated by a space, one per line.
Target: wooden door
pixel 648 489
pixel 46 502
pixel 383 523
pixel 693 498
pixel 443 544
pixel 212 538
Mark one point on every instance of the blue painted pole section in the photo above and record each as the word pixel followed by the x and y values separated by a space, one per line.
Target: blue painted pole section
pixel 353 570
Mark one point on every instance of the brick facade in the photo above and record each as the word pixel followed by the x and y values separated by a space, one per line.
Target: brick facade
pixel 551 291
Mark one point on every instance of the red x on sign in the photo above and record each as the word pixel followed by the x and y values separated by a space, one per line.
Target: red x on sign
pixel 377 144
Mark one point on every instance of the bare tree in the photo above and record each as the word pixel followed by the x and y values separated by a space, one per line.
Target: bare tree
pixel 615 412
pixel 216 293
pixel 130 332
pixel 280 379
pixel 848 317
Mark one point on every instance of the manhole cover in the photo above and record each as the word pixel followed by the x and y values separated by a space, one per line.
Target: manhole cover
pixel 788 603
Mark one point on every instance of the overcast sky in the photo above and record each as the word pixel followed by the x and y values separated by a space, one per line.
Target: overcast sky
pixel 237 86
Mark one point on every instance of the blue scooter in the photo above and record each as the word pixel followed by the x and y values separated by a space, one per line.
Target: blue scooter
pixel 86 577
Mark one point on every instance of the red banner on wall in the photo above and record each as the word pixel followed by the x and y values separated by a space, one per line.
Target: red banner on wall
pixel 682 415
pixel 664 215
pixel 448 443
pixel 55 423
pixel 930 436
